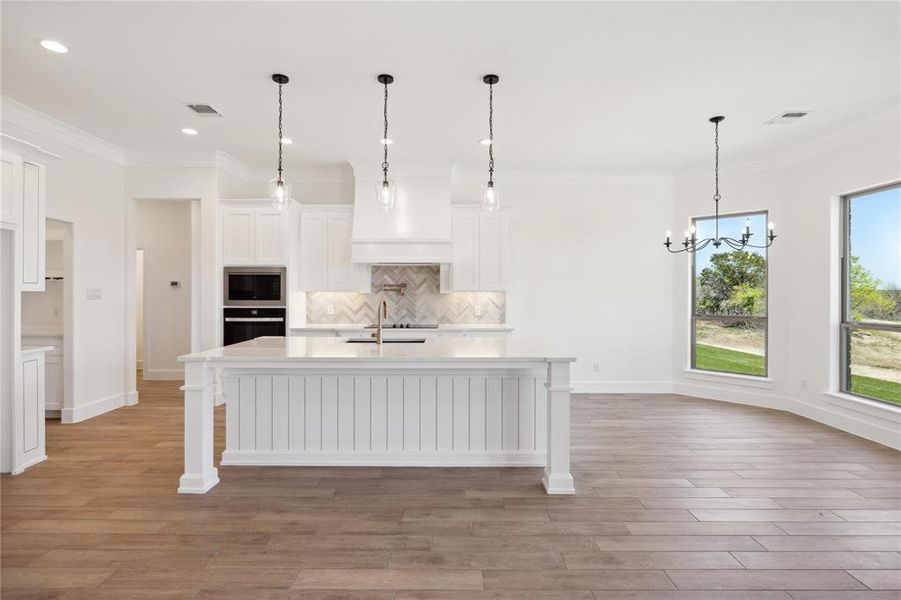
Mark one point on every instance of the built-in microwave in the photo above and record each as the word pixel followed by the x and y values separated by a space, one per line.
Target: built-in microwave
pixel 254 286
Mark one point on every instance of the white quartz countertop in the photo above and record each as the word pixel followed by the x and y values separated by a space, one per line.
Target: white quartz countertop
pixel 475 327
pixel 332 349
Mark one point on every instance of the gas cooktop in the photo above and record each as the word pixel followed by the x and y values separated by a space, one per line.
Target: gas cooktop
pixel 405 326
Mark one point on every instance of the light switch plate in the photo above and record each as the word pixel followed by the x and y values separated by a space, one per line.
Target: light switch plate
pixel 330 309
pixel 94 294
pixel 478 310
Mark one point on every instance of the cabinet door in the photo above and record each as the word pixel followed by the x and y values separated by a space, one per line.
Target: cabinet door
pixel 238 236
pixel 34 227
pixel 11 182
pixel 340 271
pixel 313 251
pixel 492 251
pixel 465 252
pixel 30 445
pixel 270 237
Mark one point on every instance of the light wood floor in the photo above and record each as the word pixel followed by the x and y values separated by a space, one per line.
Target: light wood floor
pixel 677 498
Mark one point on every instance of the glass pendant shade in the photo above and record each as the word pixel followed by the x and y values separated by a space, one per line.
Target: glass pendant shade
pixel 279 193
pixel 385 193
pixel 490 200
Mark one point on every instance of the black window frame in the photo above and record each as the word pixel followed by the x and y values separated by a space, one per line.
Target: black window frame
pixel 846 324
pixel 695 317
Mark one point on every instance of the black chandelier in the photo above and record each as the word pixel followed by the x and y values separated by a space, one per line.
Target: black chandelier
pixel 691 243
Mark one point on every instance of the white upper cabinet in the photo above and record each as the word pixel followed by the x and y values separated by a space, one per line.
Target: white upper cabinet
pixel 24 207
pixel 254 236
pixel 34 227
pixel 325 252
pixel 11 182
pixel 479 251
pixel 271 246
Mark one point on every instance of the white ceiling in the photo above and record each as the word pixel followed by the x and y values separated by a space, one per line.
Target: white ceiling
pixel 584 86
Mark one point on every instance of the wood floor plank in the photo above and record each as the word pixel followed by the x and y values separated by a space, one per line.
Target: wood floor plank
pixel 392 579
pixel 780 579
pixel 567 579
pixel 819 560
pixel 879 579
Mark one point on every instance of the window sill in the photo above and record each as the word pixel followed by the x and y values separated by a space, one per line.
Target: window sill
pixel 860 403
pixel 731 378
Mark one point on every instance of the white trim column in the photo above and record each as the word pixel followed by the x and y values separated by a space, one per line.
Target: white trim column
pixel 557 478
pixel 200 475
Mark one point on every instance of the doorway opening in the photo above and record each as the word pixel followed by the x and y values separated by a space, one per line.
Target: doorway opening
pixel 47 318
pixel 163 287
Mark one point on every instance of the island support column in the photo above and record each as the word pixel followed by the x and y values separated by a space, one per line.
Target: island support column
pixel 200 475
pixel 557 478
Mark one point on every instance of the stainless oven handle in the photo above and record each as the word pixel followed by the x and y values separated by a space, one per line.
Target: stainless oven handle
pixel 254 319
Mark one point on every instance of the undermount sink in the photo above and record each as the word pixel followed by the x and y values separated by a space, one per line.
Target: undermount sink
pixel 392 341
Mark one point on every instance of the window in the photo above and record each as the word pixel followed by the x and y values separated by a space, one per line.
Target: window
pixel 871 294
pixel 729 299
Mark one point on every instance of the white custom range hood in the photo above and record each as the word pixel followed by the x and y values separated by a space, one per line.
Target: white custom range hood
pixel 417 231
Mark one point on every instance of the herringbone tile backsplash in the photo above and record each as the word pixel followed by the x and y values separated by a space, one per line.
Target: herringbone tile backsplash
pixel 422 303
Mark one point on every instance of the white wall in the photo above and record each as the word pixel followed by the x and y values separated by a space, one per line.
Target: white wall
pixel 87 191
pixel 589 278
pixel 163 231
pixel 802 197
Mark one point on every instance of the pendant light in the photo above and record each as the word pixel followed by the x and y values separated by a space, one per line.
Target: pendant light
pixel 691 243
pixel 490 199
pixel 279 189
pixel 385 191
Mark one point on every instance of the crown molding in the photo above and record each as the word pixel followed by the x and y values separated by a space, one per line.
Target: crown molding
pixel 869 127
pixel 19 115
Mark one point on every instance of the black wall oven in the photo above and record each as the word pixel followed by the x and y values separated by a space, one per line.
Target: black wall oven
pixel 242 324
pixel 254 286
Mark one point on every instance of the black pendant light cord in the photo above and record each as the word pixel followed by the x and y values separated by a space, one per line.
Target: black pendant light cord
pixel 280 132
pixel 385 135
pixel 716 175
pixel 491 133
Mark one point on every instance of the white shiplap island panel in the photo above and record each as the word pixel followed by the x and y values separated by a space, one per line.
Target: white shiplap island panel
pixel 324 401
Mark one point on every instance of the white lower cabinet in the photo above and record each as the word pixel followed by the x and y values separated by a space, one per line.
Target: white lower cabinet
pixel 23 429
pixel 325 252
pixel 479 252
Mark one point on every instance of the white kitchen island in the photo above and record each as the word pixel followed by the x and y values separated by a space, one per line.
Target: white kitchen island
pixel 457 401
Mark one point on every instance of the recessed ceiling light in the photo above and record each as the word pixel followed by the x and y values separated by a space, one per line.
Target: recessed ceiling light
pixel 54 46
pixel 485 142
pixel 189 131
pixel 386 141
pixel 287 141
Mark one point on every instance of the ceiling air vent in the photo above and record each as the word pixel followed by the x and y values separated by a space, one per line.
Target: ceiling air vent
pixel 787 117
pixel 204 110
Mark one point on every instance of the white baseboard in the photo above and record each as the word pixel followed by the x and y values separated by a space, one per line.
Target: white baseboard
pixel 880 425
pixel 30 463
pixel 131 398
pixel 92 409
pixel 622 387
pixel 165 375
pixel 391 458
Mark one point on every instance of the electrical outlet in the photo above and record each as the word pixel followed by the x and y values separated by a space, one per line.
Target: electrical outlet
pixel 330 309
pixel 94 294
pixel 595 367
pixel 478 310
pixel 803 384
